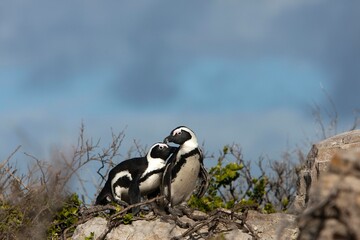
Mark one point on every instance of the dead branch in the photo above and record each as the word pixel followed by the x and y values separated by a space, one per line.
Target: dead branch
pixel 12 173
pixel 4 162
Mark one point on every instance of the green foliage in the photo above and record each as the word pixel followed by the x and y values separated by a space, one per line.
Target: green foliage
pixel 221 177
pixel 285 203
pixel 90 237
pixel 11 218
pixel 258 191
pixel 247 204
pixel 206 203
pixel 67 216
pixel 118 208
pixel 224 175
pixel 127 218
pixel 269 208
pixel 231 185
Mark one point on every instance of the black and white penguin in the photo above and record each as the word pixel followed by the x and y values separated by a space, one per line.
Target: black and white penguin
pixel 184 168
pixel 136 177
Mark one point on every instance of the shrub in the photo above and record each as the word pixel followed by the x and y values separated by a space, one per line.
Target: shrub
pixel 66 217
pixel 38 204
pixel 232 184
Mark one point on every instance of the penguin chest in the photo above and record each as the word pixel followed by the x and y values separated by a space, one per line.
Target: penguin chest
pixel 151 183
pixel 184 183
pixel 151 179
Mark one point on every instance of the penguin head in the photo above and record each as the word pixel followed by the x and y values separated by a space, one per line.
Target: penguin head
pixel 160 150
pixel 180 135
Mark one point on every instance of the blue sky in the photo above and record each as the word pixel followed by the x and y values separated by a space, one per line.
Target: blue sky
pixel 236 71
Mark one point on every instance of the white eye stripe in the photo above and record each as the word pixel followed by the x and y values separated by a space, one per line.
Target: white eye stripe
pixel 177 131
pixel 162 145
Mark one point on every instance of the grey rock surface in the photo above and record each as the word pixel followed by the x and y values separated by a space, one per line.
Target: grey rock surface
pixel 149 230
pixel 266 226
pixel 95 225
pixel 318 161
pixel 275 226
pixel 236 234
pixel 333 210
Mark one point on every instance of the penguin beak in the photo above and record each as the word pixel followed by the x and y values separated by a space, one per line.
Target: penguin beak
pixel 168 139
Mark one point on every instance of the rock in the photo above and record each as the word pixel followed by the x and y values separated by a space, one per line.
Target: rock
pixel 318 161
pixel 266 226
pixel 147 230
pixel 275 226
pixel 235 235
pixel 96 225
pixel 333 210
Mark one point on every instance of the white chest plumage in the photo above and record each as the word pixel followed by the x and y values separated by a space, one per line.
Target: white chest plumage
pixel 154 180
pixel 153 164
pixel 150 183
pixel 184 183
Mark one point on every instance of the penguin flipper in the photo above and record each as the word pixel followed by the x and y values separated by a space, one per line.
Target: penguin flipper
pixel 204 181
pixel 166 180
pixel 134 193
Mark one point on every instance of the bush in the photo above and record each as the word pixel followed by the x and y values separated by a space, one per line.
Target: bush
pixel 38 204
pixel 232 184
pixel 66 217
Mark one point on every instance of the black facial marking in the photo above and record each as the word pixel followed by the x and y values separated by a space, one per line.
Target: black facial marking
pixel 180 137
pixel 161 151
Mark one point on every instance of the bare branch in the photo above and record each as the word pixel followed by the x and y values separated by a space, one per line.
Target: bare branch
pixel 12 173
pixel 4 162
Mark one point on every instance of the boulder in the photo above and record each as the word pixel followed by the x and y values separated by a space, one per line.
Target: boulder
pixel 333 210
pixel 318 161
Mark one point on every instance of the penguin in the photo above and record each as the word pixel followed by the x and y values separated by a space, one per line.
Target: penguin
pixel 184 168
pixel 136 177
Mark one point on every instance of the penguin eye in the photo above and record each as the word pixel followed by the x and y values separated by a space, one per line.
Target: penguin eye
pixel 179 133
pixel 161 147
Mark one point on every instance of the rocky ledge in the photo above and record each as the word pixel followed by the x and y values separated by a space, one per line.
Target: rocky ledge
pixel 257 226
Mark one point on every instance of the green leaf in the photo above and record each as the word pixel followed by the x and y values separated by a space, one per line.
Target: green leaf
pixel 127 218
pixel 90 237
